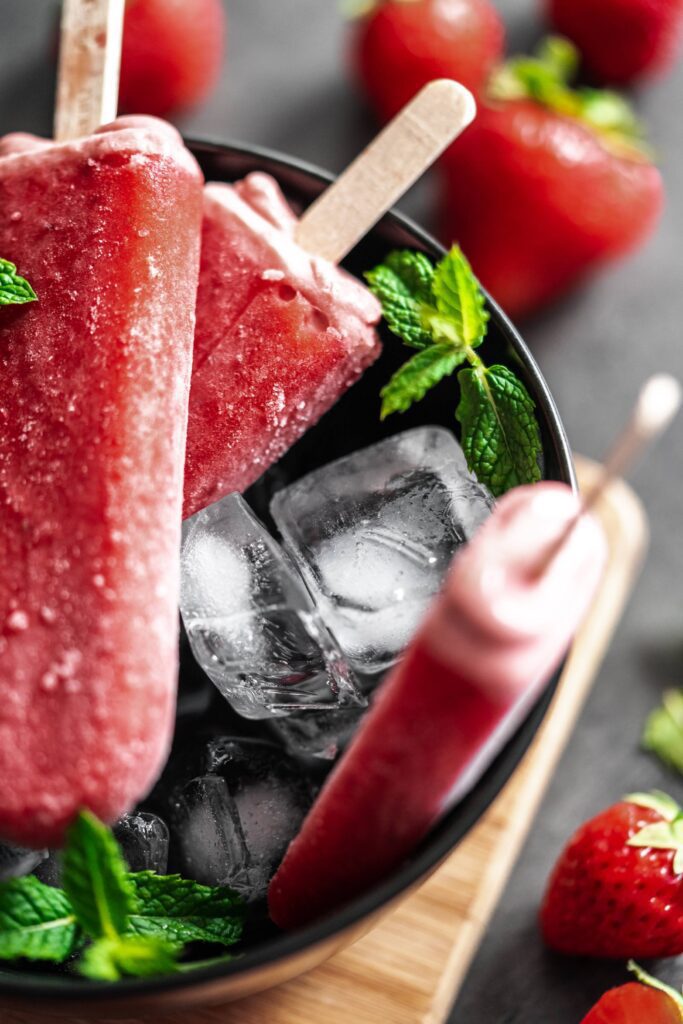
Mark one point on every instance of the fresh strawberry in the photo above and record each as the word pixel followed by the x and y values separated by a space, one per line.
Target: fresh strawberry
pixel 650 1002
pixel 621 40
pixel 172 54
pixel 617 889
pixel 548 183
pixel 400 45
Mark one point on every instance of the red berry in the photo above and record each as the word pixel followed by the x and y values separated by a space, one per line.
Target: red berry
pixel 403 44
pixel 607 898
pixel 172 54
pixel 621 39
pixel 634 1004
pixel 537 200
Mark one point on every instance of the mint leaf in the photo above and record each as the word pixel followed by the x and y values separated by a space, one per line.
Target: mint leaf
pixel 94 876
pixel 14 290
pixel 459 297
pixel 110 959
pixel 184 911
pixel 663 733
pixel 500 435
pixel 36 921
pixel 403 286
pixel 418 376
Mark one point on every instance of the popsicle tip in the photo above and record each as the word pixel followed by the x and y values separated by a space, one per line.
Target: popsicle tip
pixel 454 94
pixel 657 405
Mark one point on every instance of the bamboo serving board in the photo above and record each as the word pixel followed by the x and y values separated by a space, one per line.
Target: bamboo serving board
pixel 409 968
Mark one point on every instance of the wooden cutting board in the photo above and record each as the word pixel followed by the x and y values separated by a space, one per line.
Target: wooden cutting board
pixel 409 969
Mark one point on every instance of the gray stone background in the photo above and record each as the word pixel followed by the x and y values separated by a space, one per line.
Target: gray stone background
pixel 286 85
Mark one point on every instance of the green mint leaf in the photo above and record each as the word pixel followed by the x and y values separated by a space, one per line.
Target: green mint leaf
pixel 110 959
pixel 403 286
pixel 180 910
pixel 417 376
pixel 500 435
pixel 459 297
pixel 663 734
pixel 94 876
pixel 36 921
pixel 14 290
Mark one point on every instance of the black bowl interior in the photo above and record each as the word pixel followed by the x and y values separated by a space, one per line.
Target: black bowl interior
pixel 353 423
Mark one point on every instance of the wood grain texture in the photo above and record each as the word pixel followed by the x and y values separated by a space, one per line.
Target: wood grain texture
pixel 89 65
pixel 409 968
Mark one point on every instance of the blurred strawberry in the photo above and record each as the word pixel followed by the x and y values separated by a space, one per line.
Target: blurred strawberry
pixel 649 1002
pixel 172 54
pixel 617 888
pixel 621 40
pixel 548 183
pixel 400 45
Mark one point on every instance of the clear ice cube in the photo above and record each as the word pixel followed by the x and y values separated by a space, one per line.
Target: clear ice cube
pixel 144 841
pixel 251 622
pixel 15 861
pixel 233 825
pixel 374 533
pixel 319 734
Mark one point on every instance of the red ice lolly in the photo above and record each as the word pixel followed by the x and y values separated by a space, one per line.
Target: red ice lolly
pixel 486 648
pixel 280 337
pixel 94 383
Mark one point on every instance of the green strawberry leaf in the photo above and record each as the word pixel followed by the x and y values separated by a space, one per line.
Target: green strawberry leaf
pixel 657 801
pixel 500 435
pixel 416 377
pixel 95 880
pixel 37 922
pixel 646 979
pixel 181 910
pixel 459 297
pixel 109 959
pixel 403 286
pixel 14 290
pixel 544 78
pixel 663 733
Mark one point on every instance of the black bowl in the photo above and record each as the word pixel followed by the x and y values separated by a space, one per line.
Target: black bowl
pixel 353 422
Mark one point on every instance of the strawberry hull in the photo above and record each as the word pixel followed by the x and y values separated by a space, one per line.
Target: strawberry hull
pixel 480 659
pixel 95 380
pixel 280 337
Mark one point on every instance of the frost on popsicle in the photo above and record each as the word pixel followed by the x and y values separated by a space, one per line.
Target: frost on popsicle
pixel 441 312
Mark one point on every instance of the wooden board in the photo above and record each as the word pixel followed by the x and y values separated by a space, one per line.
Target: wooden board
pixel 408 970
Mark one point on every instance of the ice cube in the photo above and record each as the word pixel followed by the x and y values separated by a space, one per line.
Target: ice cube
pixel 233 825
pixel 144 841
pixel 374 533
pixel 320 734
pixel 251 622
pixel 15 861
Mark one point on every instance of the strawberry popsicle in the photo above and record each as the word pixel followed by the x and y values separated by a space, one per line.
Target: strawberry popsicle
pixel 486 648
pixel 95 381
pixel 280 337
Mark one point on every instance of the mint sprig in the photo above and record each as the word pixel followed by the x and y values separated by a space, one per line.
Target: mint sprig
pixel 441 311
pixel 135 923
pixel 36 922
pixel 14 290
pixel 545 78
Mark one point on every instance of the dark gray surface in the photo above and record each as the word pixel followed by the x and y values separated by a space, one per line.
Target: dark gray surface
pixel 285 85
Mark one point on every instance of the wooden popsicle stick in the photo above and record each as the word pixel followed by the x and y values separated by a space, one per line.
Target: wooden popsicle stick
pixel 377 178
pixel 89 65
pixel 658 402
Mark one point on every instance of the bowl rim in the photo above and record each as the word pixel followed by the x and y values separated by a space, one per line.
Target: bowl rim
pixel 447 833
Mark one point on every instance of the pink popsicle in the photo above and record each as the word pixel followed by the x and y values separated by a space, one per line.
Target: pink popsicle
pixel 94 381
pixel 280 337
pixel 486 648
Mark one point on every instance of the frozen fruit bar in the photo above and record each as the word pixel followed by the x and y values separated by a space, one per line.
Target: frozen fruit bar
pixel 280 337
pixel 487 646
pixel 94 382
